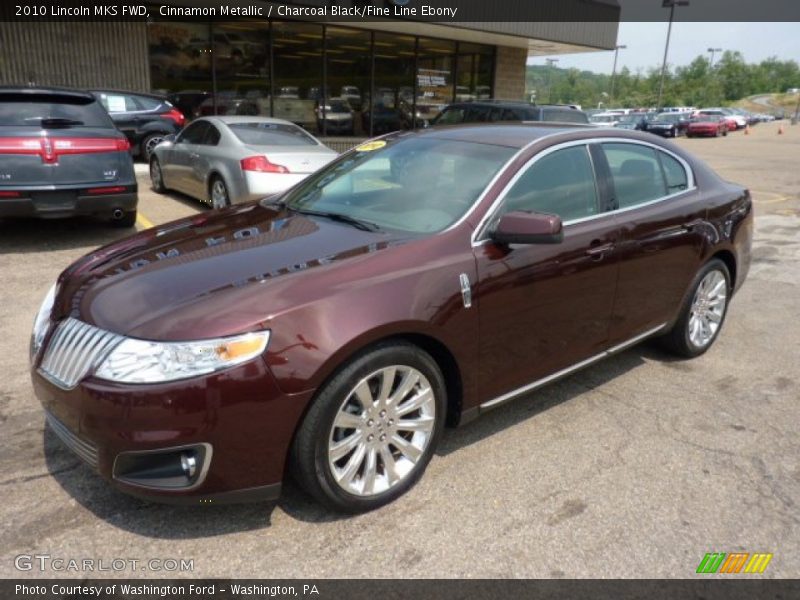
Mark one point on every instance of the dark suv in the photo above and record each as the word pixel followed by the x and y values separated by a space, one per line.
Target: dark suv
pixel 60 156
pixel 144 118
pixel 490 111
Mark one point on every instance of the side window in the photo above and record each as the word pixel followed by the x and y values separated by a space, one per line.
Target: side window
pixel 677 180
pixel 477 114
pixel 495 114
pixel 212 136
pixel 147 103
pixel 117 103
pixel 450 116
pixel 561 183
pixel 636 173
pixel 194 133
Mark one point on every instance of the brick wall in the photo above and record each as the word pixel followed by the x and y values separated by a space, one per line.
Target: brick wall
pixel 509 74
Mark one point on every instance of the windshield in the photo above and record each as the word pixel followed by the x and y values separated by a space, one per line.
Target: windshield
pixel 668 118
pixel 418 184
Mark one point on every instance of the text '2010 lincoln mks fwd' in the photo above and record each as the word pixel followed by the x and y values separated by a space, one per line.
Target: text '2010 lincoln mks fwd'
pixel 418 280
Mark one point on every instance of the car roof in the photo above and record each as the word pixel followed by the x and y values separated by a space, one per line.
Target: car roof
pixel 513 135
pixel 228 120
pixel 37 90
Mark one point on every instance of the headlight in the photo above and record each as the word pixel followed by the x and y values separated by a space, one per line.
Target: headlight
pixel 42 321
pixel 142 361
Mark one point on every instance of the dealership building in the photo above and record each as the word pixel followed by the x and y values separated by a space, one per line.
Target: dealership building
pixel 350 78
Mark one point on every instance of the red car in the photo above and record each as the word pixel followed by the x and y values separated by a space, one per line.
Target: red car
pixel 419 280
pixel 707 125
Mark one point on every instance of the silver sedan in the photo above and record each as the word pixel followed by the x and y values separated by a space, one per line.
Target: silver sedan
pixel 224 160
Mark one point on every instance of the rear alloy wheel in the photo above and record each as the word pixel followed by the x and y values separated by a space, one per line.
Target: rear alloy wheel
pixel 219 193
pixel 156 176
pixel 149 144
pixel 372 430
pixel 704 312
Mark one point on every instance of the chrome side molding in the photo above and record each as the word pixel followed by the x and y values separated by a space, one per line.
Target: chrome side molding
pixel 576 367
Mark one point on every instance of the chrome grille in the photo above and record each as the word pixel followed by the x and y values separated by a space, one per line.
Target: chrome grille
pixel 75 348
pixel 85 450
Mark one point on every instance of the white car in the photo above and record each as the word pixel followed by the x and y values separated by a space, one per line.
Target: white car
pixel 224 160
pixel 605 119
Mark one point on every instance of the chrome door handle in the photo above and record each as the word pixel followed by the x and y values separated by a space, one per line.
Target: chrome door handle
pixel 597 252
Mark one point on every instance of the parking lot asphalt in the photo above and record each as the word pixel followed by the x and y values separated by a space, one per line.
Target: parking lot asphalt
pixel 635 467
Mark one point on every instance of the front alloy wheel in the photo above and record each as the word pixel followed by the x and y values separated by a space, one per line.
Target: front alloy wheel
pixel 372 429
pixel 381 430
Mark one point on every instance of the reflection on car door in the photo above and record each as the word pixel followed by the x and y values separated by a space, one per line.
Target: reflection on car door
pixel 200 162
pixel 546 307
pixel 179 174
pixel 662 240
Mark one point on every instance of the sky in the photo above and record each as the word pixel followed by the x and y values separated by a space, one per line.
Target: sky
pixel 645 45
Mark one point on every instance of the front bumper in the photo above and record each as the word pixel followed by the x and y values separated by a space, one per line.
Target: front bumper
pixel 54 204
pixel 240 413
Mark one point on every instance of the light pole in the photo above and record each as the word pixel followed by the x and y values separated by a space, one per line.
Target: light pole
pixel 713 51
pixel 550 62
pixel 671 4
pixel 614 71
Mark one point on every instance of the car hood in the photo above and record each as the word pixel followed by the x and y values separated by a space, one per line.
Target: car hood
pixel 214 274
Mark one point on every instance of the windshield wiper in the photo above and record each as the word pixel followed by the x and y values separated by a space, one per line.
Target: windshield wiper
pixel 48 122
pixel 340 218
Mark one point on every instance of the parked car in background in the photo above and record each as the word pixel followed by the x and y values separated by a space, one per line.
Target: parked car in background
pixel 145 119
pixel 736 121
pixel 385 119
pixel 189 101
pixel 637 121
pixel 229 103
pixel 490 111
pixel 669 124
pixel 336 118
pixel 605 119
pixel 707 125
pixel 352 95
pixel 421 279
pixel 62 156
pixel 225 160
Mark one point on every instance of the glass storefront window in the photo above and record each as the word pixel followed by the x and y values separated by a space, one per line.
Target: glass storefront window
pixel 180 63
pixel 297 60
pixel 348 71
pixel 241 60
pixel 392 106
pixel 475 71
pixel 330 80
pixel 435 77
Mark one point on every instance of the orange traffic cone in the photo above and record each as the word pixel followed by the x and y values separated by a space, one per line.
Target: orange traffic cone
pixel 780 129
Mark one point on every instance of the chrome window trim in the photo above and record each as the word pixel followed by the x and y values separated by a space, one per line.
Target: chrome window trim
pixel 477 235
pixel 571 369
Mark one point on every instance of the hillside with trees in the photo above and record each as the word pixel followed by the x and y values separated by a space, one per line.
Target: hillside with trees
pixel 696 84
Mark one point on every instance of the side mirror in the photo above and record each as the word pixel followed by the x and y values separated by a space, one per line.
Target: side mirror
pixel 170 138
pixel 528 228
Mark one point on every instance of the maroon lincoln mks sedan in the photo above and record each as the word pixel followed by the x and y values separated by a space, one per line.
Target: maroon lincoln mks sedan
pixel 419 280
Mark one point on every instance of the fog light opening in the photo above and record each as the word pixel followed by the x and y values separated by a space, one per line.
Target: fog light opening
pixel 164 469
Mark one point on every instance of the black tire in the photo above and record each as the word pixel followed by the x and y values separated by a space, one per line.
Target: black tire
pixel 677 340
pixel 225 200
pixel 309 453
pixel 157 183
pixel 127 221
pixel 148 143
pixel 688 135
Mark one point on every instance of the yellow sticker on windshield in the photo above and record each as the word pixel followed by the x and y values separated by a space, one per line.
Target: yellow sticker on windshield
pixel 371 146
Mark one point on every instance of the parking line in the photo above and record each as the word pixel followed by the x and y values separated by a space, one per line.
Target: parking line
pixel 143 221
pixel 776 198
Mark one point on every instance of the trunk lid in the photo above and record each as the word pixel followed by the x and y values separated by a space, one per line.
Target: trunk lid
pixel 305 159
